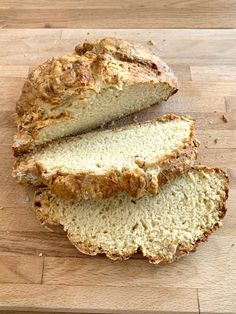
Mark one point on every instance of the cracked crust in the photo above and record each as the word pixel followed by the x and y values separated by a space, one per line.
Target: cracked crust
pixel 89 249
pixel 136 182
pixel 96 65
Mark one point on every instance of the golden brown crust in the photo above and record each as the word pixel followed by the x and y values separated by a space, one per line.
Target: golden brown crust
pixel 97 65
pixel 136 182
pixel 90 249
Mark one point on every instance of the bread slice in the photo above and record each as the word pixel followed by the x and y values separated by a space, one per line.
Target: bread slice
pixel 104 80
pixel 163 227
pixel 134 159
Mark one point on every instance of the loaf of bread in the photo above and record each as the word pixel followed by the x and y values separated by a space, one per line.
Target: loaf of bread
pixel 163 227
pixel 104 80
pixel 99 164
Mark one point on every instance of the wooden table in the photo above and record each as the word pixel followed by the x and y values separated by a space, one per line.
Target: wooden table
pixel 117 14
pixel 40 270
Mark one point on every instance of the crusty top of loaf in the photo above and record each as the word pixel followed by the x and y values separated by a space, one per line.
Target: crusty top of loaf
pixel 98 64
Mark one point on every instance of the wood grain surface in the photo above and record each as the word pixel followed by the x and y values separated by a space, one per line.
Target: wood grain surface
pixel 117 14
pixel 39 269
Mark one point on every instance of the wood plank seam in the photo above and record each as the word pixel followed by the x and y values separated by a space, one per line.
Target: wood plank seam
pixel 225 104
pixel 42 270
pixel 198 302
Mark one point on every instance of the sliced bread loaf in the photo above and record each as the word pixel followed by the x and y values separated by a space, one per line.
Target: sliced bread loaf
pixel 105 80
pixel 163 227
pixel 99 164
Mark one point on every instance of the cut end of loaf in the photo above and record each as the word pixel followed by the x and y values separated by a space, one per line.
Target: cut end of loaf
pixel 164 227
pixel 106 80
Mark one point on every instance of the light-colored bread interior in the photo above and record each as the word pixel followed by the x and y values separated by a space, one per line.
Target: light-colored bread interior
pixel 123 149
pixel 101 163
pixel 163 227
pixel 110 104
pixel 104 80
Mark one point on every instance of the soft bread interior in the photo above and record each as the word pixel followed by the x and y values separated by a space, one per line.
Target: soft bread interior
pixel 110 104
pixel 141 145
pixel 162 227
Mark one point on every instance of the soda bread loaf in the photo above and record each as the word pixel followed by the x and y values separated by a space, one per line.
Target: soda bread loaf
pixel 163 227
pixel 99 164
pixel 104 80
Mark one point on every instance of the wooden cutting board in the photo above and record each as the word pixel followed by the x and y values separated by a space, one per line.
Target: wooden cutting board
pixel 40 270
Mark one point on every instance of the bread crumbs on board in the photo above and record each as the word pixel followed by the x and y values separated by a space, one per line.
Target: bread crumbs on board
pixel 151 42
pixel 224 118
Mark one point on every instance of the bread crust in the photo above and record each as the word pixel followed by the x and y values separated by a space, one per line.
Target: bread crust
pixel 89 249
pixel 96 65
pixel 137 182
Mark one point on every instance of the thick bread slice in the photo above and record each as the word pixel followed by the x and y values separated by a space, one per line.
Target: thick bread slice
pixel 163 227
pixel 134 159
pixel 104 80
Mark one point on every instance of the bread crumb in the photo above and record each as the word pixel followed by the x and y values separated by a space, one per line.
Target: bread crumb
pixel 216 140
pixel 135 119
pixel 1 208
pixel 112 123
pixel 27 199
pixel 48 25
pixel 151 42
pixel 46 227
pixel 98 165
pixel 206 146
pixel 40 254
pixel 210 122
pixel 88 33
pixel 214 111
pixel 232 245
pixel 224 118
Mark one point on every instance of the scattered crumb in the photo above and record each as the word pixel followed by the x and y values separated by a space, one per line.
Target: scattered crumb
pixel 232 245
pixel 40 254
pixel 46 227
pixel 47 25
pixel 216 140
pixel 206 146
pixel 210 122
pixel 224 118
pixel 1 208
pixel 27 199
pixel 88 33
pixel 25 55
pixel 135 119
pixel 151 42
pixel 112 123
pixel 133 201
pixel 98 164
pixel 214 111
pixel 102 125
